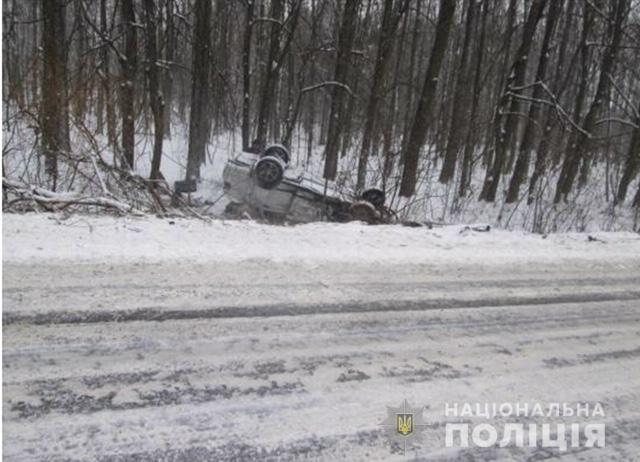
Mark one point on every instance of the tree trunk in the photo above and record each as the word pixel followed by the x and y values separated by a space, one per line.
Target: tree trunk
pixel 636 198
pixel 411 74
pixel 506 125
pixel 336 114
pixel 421 120
pixel 545 142
pixel 55 115
pixel 11 56
pixel 459 102
pixel 311 108
pixel 102 70
pixel 127 97
pixel 200 68
pixel 524 152
pixel 504 73
pixel 246 76
pixel 632 163
pixel 467 156
pixel 275 60
pixel 577 150
pixel 155 95
pixel 167 83
pixel 390 21
pixel 80 79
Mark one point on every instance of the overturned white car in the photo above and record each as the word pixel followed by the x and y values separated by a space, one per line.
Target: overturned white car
pixel 263 186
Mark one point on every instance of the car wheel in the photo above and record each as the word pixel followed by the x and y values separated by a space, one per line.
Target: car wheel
pixel 268 172
pixel 279 151
pixel 374 196
pixel 364 211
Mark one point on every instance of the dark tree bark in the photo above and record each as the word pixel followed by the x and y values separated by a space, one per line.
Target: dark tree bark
pixel 506 125
pixel 456 126
pixel 221 73
pixel 636 198
pixel 102 70
pixel 390 155
pixel 545 143
pixel 79 79
pixel 585 74
pixel 153 82
pixel 311 109
pixel 503 75
pixel 391 16
pixel 632 163
pixel 526 146
pixel 336 114
pixel 275 60
pixel 105 85
pixel 578 149
pixel 167 82
pixel 127 96
pixel 415 38
pixel 270 76
pixel 200 69
pixel 469 147
pixel 55 115
pixel 420 125
pixel 11 56
pixel 246 76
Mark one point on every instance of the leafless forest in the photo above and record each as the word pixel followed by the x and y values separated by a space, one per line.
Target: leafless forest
pixel 534 99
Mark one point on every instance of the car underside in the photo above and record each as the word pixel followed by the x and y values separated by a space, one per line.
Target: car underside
pixel 263 186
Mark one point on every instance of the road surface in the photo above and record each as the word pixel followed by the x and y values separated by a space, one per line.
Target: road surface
pixel 259 361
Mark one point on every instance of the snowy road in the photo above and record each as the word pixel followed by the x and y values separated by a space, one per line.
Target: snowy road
pixel 145 362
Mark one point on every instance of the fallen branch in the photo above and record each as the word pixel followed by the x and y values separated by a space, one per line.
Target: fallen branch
pixel 61 200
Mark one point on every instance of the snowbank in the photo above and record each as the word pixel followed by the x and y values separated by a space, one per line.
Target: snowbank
pixel 102 239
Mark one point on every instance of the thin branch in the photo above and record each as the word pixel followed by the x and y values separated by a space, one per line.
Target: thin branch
pixel 634 108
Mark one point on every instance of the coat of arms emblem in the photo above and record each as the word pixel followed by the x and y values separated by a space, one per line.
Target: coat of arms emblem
pixel 404 425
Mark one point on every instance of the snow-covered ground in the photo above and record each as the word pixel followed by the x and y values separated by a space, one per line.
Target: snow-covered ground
pixel 130 355
pixel 44 237
pixel 140 339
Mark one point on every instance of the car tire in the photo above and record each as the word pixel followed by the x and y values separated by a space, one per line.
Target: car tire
pixel 364 211
pixel 279 151
pixel 268 172
pixel 374 196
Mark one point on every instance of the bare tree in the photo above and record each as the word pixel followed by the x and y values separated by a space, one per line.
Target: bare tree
pixel 153 82
pixel 201 62
pixel 465 173
pixel 559 80
pixel 418 133
pixel 275 60
pixel 169 50
pixel 506 120
pixel 336 114
pixel 55 115
pixel 246 75
pixel 578 149
pixel 526 146
pixel 391 16
pixel 456 126
pixel 632 161
pixel 128 93
pixel 105 97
